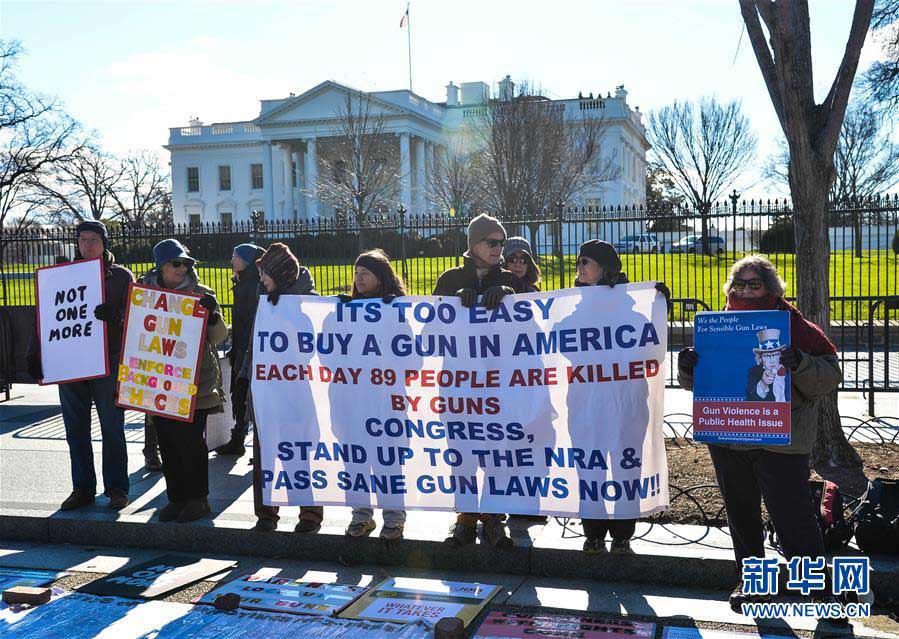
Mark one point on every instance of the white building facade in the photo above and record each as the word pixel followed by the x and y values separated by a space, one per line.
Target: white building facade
pixel 221 173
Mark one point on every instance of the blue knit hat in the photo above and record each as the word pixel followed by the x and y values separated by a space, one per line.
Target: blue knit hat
pixel 249 253
pixel 168 250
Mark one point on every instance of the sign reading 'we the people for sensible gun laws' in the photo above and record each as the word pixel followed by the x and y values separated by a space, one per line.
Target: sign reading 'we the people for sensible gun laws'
pixel 164 333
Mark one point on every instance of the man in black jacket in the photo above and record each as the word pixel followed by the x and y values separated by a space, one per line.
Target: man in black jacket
pixel 246 299
pixel 480 274
pixel 76 398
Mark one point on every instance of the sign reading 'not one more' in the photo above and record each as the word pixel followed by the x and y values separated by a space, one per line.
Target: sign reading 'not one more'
pixel 72 340
pixel 161 350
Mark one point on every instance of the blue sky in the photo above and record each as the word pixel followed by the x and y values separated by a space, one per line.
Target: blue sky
pixel 132 69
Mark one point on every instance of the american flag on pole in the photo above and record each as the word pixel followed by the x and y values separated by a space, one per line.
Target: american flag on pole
pixel 405 19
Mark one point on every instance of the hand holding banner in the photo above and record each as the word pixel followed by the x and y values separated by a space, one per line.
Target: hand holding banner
pixel 72 341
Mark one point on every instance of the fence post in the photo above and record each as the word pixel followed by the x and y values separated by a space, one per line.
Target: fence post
pixel 561 252
pixel 402 211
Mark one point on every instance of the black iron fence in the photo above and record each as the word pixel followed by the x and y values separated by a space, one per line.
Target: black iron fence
pixel 692 252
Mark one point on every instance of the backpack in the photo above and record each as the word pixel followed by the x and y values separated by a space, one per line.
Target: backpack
pixel 876 518
pixel 827 502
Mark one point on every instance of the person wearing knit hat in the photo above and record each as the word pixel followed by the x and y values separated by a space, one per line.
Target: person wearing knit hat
pixel 76 398
pixel 280 267
pixel 245 295
pixel 280 274
pixel 518 258
pixel 481 273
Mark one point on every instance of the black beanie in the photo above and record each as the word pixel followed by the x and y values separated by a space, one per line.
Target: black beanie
pixel 94 226
pixel 603 252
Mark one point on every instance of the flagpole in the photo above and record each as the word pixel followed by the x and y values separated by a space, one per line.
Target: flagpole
pixel 409 38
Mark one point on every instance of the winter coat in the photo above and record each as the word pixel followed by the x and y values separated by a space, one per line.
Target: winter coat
pixel 466 276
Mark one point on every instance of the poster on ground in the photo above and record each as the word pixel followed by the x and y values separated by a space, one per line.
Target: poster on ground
pixel 282 594
pixel 161 351
pixel 72 340
pixel 520 625
pixel 157 577
pixel 675 632
pixel 551 403
pixel 741 391
pixel 12 577
pixel 410 599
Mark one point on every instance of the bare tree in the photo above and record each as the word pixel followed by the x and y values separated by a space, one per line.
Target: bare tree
pixel 143 194
pixel 82 186
pixel 35 136
pixel 361 161
pixel 811 130
pixel 457 181
pixel 534 156
pixel 703 151
pixel 882 78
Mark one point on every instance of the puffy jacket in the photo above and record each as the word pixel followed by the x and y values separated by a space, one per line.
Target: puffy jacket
pixel 246 299
pixel 466 276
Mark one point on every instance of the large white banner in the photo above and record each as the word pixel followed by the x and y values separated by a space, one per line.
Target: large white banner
pixel 72 340
pixel 551 403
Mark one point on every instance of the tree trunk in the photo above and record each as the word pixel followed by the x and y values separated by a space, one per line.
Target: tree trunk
pixel 809 186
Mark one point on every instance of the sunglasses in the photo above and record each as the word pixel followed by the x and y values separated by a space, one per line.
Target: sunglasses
pixel 517 260
pixel 755 284
pixel 495 243
pixel 585 261
pixel 180 263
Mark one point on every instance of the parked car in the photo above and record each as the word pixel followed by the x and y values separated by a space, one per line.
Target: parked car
pixel 693 244
pixel 645 243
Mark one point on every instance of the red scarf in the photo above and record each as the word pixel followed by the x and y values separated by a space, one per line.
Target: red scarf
pixel 805 335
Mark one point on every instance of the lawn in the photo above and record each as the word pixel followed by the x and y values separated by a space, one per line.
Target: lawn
pixel 688 276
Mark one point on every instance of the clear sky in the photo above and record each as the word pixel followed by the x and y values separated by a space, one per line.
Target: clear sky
pixel 132 69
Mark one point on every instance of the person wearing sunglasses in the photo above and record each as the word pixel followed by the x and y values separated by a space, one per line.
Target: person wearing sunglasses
pixel 280 273
pixel 518 258
pixel 748 473
pixel 481 273
pixel 185 459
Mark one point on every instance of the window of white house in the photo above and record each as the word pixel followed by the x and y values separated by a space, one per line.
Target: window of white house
pixel 259 214
pixel 224 178
pixel 293 174
pixel 193 179
pixel 193 220
pixel 225 219
pixel 256 176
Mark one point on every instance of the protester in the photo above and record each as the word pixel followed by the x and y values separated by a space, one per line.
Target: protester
pixel 185 459
pixel 75 398
pixel 748 473
pixel 243 310
pixel 519 259
pixel 375 278
pixel 280 274
pixel 480 273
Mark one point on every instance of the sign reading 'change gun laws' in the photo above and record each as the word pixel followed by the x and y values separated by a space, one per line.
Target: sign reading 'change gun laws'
pixel 164 333
pixel 73 342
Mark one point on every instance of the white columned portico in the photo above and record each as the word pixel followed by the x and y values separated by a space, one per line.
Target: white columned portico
pixel 311 179
pixel 420 184
pixel 405 172
pixel 268 181
pixel 287 152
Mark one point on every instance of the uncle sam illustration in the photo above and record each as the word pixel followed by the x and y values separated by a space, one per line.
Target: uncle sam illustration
pixel 767 379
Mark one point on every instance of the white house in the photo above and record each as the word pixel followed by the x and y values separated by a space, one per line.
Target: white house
pixel 223 172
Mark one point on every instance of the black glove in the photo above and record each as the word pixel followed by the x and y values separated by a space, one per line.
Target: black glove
pixel 344 298
pixel 208 302
pixel 663 289
pixel 687 359
pixel 388 299
pixel 494 294
pixel 791 357
pixel 468 296
pixel 105 312
pixel 617 278
pixel 273 297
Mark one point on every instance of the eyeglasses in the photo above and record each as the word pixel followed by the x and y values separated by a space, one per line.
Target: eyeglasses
pixel 517 260
pixel 179 263
pixel 495 243
pixel 585 261
pixel 755 284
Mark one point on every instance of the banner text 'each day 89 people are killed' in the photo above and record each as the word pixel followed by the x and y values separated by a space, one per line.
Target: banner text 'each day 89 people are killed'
pixel 551 403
